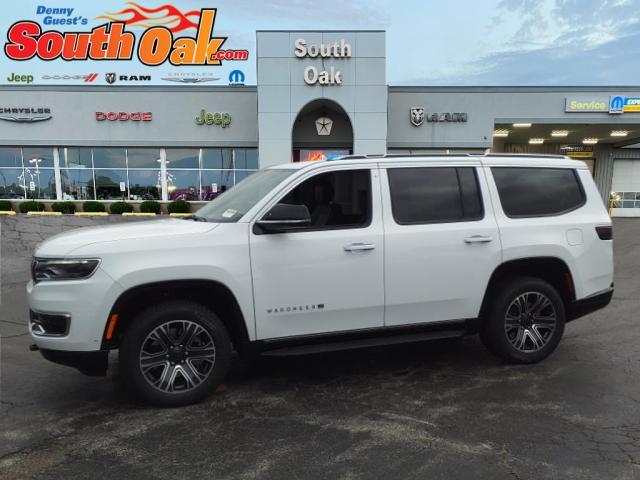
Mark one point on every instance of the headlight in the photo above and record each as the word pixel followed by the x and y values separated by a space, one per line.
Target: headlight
pixel 62 269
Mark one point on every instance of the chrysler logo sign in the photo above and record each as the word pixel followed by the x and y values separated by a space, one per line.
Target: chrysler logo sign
pixel 25 114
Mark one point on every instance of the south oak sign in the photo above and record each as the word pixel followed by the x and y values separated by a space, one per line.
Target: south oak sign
pixel 111 41
pixel 311 74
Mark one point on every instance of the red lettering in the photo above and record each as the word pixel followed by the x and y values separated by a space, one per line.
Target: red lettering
pixel 124 116
pixel 98 38
pixel 76 46
pixel 50 45
pixel 22 45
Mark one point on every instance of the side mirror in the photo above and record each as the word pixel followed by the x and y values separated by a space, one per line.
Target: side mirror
pixel 284 217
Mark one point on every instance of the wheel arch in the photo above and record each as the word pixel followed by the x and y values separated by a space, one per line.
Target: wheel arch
pixel 553 270
pixel 212 294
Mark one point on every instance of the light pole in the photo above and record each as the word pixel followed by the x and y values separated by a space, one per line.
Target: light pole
pixel 36 162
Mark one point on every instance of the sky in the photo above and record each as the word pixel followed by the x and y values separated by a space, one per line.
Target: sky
pixel 452 42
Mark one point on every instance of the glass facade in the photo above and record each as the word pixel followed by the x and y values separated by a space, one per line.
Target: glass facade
pixel 117 173
pixel 625 199
pixel 27 173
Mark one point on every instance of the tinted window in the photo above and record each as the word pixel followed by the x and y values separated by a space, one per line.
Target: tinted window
pixel 536 192
pixel 335 199
pixel 434 195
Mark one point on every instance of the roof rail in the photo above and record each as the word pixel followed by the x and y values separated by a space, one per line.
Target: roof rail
pixel 489 155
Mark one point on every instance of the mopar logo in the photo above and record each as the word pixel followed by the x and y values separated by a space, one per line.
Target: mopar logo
pixel 236 77
pixel 616 104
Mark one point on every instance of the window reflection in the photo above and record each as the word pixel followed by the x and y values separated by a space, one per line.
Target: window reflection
pixel 74 157
pixel 10 157
pixel 109 158
pixel 215 182
pixel 11 183
pixel 217 158
pixel 183 157
pixel 38 157
pixel 145 185
pixel 88 173
pixel 77 184
pixel 108 184
pixel 183 184
pixel 143 157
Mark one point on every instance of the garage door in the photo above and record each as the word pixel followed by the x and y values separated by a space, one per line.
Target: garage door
pixel 625 186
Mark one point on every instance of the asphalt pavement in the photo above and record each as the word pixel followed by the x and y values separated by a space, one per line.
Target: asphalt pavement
pixel 445 409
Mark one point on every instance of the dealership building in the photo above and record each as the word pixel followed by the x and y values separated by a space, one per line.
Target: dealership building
pixel 319 94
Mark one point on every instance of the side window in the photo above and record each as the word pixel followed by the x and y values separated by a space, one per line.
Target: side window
pixel 434 195
pixel 340 199
pixel 538 192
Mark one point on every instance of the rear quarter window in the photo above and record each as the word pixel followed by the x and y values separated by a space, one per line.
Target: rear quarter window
pixel 538 192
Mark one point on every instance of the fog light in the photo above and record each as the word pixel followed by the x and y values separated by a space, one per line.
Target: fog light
pixel 49 324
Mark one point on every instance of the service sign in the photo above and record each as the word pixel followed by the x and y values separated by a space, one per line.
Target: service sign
pixel 119 42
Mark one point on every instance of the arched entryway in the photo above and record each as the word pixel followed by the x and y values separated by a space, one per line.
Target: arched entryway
pixel 322 130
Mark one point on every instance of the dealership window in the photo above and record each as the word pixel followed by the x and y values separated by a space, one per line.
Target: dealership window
pixel 144 174
pixel 434 195
pixel 96 173
pixel 625 199
pixel 538 192
pixel 11 173
pixel 27 173
pixel 145 184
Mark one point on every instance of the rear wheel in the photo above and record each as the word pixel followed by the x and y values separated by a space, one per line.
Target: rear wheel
pixel 525 321
pixel 175 353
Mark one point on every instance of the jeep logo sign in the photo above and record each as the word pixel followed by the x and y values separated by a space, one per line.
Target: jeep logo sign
pixel 312 75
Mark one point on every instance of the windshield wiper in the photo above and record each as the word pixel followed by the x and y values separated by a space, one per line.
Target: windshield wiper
pixel 196 218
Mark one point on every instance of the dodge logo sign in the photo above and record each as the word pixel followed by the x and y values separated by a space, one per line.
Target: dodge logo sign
pixel 124 116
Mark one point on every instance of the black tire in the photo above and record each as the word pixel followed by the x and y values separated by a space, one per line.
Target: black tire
pixel 159 330
pixel 510 329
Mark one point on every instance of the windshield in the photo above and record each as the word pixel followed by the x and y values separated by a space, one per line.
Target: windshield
pixel 235 202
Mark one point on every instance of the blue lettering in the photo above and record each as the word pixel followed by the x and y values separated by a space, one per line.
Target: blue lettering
pixel 40 10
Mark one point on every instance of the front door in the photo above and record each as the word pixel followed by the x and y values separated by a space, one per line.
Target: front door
pixel 442 243
pixel 327 277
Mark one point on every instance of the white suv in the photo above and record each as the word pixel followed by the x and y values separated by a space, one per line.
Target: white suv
pixel 307 257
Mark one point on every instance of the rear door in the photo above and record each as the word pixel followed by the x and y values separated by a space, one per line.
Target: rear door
pixel 441 241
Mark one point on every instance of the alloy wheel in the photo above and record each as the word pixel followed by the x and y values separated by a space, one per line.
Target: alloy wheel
pixel 530 321
pixel 177 356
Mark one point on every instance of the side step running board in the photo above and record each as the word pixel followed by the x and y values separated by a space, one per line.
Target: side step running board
pixel 338 345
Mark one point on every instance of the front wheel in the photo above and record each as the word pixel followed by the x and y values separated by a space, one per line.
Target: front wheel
pixel 525 321
pixel 175 353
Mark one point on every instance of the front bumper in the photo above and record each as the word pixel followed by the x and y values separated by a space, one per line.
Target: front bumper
pixel 84 303
pixel 89 363
pixel 584 306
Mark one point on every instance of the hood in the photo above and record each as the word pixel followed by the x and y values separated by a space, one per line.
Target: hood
pixel 66 243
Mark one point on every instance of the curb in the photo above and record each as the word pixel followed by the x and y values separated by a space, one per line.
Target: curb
pixel 9 212
pixel 91 214
pixel 45 213
pixel 137 214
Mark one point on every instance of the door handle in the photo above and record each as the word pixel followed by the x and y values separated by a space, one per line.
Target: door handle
pixel 356 247
pixel 478 239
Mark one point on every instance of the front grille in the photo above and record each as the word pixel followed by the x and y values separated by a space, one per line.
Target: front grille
pixel 49 324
